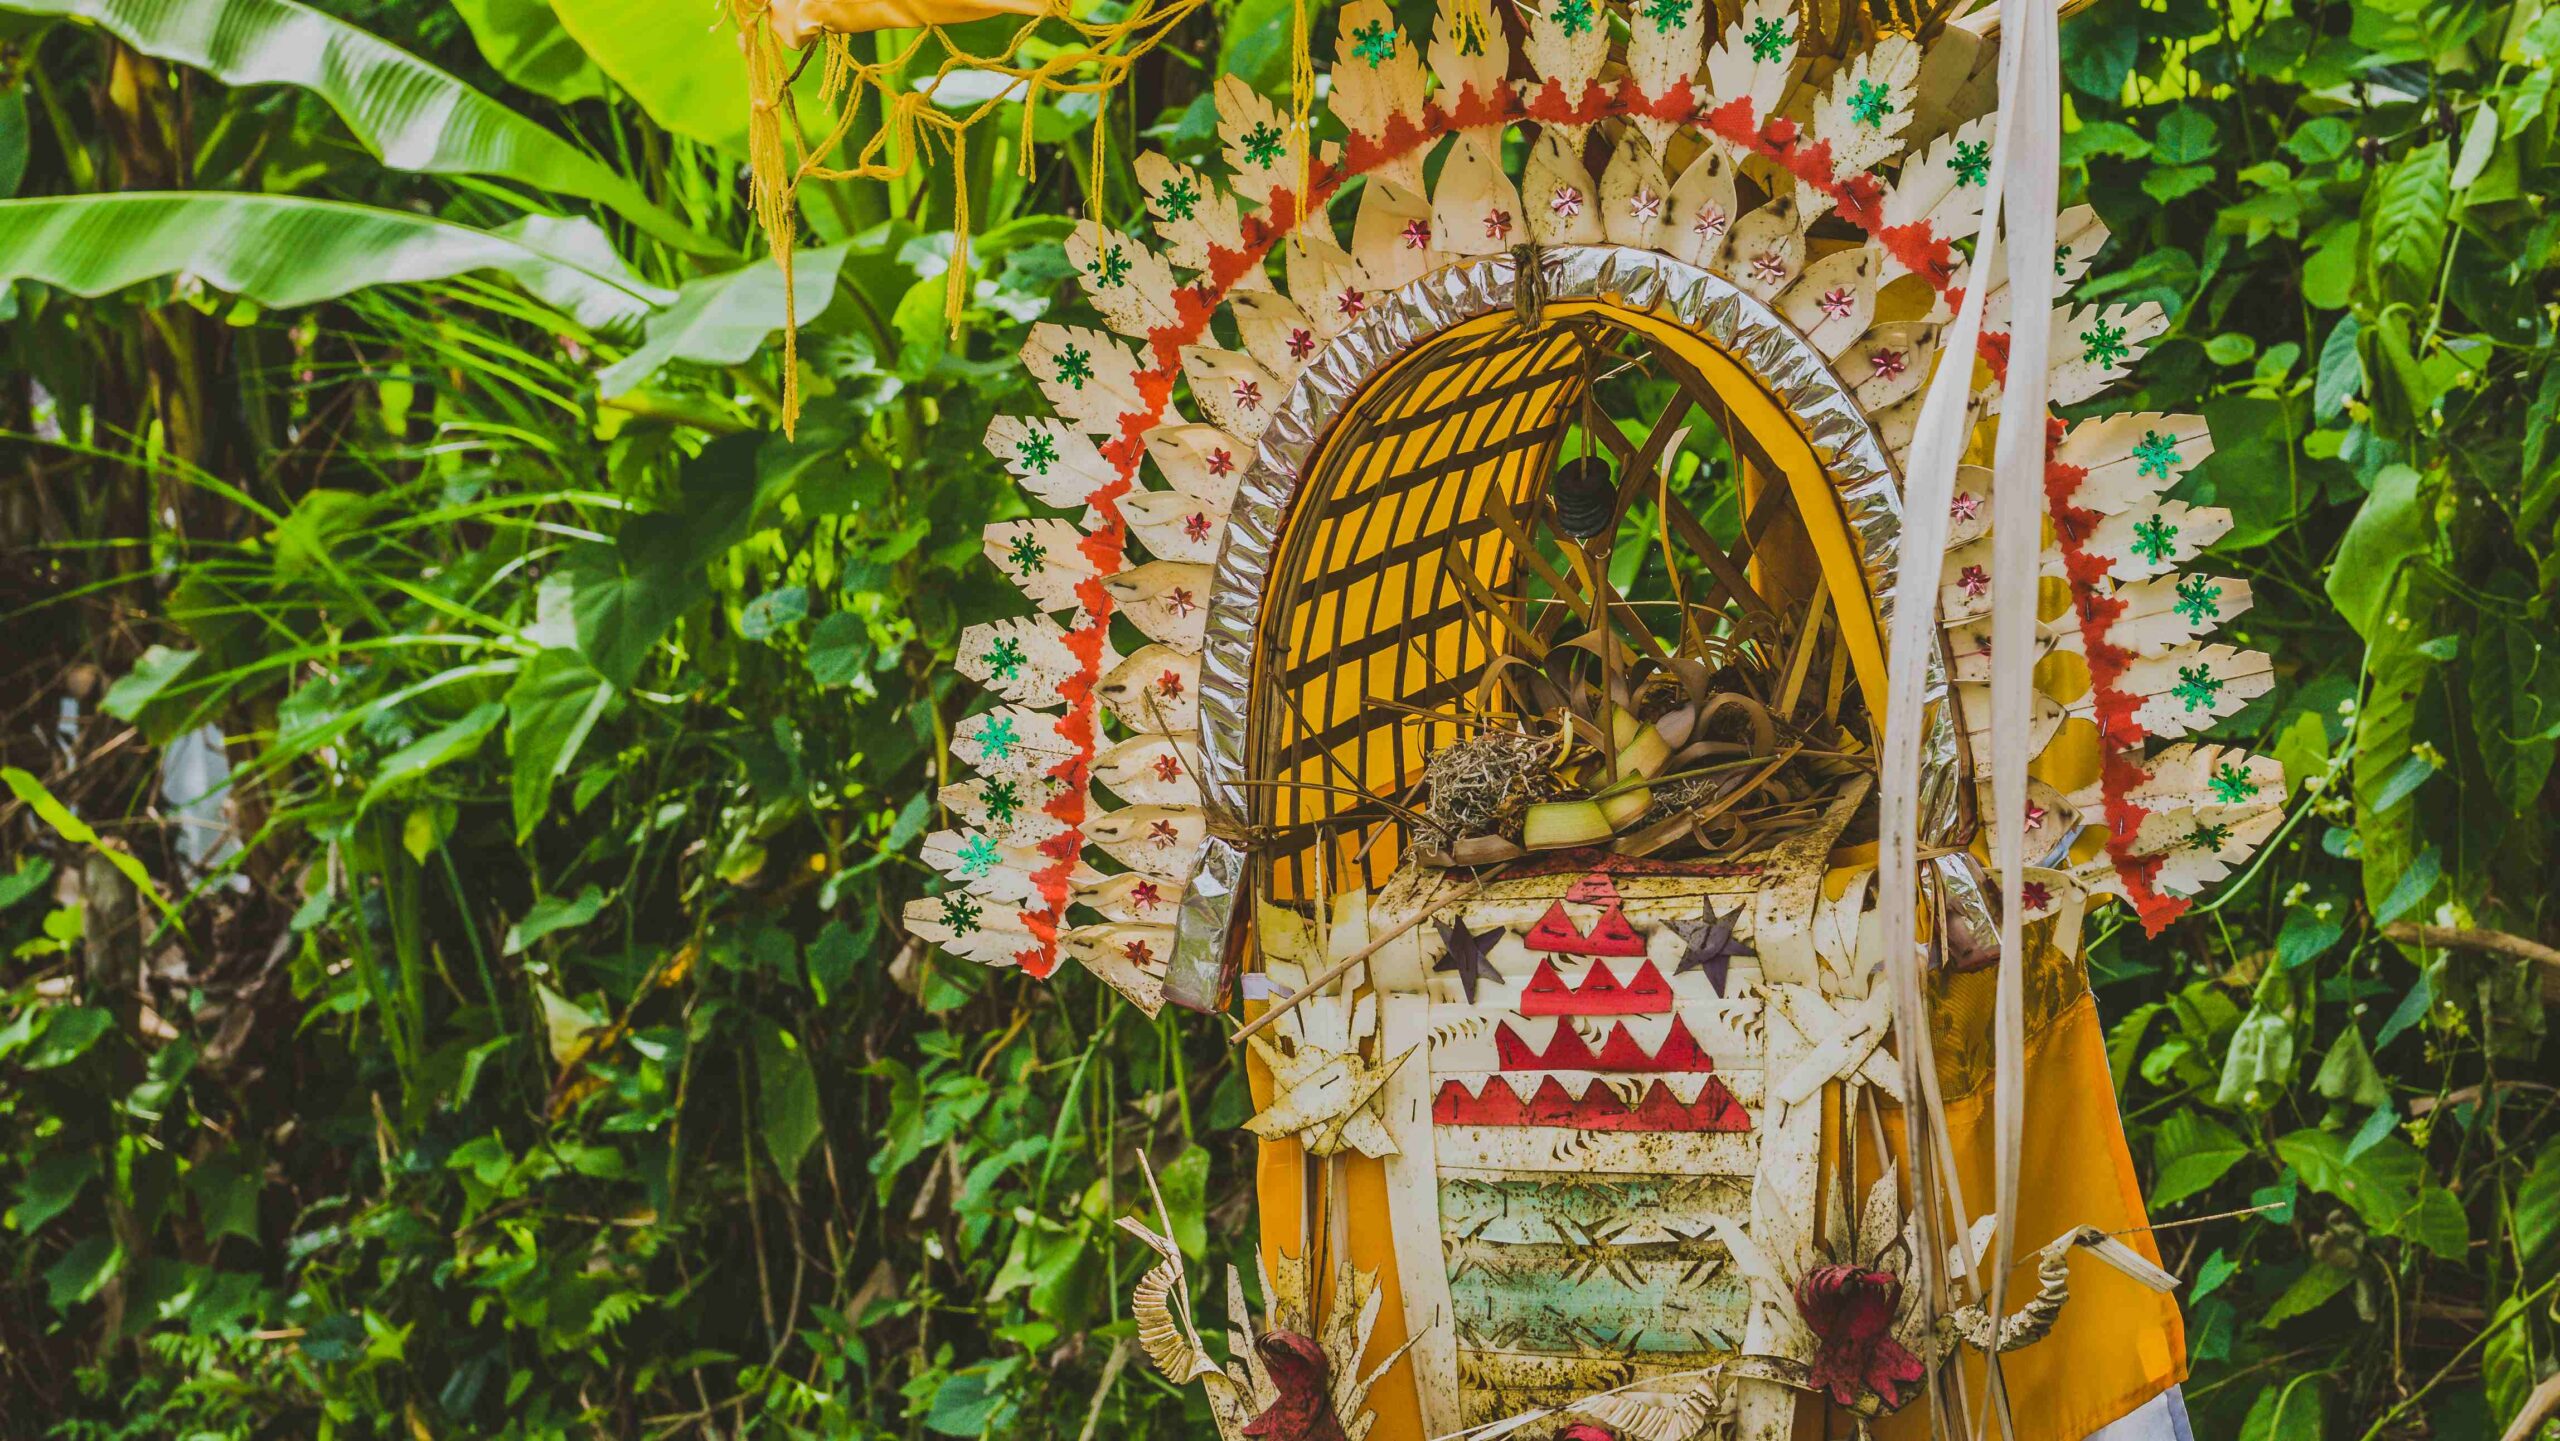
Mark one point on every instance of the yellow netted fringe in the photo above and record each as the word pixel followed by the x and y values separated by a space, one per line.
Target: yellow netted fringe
pixel 1472 25
pixel 1302 95
pixel 782 160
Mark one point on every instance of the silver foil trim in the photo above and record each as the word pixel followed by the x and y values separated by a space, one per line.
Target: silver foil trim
pixel 1697 300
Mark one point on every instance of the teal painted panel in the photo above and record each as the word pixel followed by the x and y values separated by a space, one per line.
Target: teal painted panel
pixel 1576 1210
pixel 1596 1300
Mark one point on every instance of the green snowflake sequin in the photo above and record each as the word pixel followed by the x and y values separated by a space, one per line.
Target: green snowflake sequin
pixel 959 913
pixel 2197 688
pixel 2061 261
pixel 1038 452
pixel 2154 539
pixel 977 856
pixel 1075 366
pixel 1180 199
pixel 2209 838
pixel 1026 554
pixel 997 737
pixel 1768 40
pixel 2199 599
pixel 1262 144
pixel 1573 16
pixel 2103 344
pixel 1110 268
pixel 1004 802
pixel 1870 103
pixel 2154 455
pixel 1666 15
pixel 1005 658
pixel 1972 164
pixel 1374 42
pixel 2232 783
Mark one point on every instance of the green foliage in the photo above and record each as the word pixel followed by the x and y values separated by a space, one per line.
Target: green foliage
pixel 2342 208
pixel 530 1050
pixel 480 1082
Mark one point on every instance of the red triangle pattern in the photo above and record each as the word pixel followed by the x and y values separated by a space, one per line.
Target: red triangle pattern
pixel 1596 1109
pixel 1600 994
pixel 1612 935
pixel 1679 1051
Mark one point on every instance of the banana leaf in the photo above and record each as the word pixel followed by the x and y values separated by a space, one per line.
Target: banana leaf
pixel 408 112
pixel 525 42
pixel 288 250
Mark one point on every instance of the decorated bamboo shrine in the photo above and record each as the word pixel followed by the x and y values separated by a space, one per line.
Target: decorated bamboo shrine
pixel 1585 605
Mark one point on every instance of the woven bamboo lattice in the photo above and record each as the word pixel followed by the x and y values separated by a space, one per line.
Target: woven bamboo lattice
pixel 1403 597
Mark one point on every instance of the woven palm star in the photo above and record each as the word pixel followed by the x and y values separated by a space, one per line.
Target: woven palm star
pixel 1262 144
pixel 1964 507
pixel 1179 198
pixel 1768 40
pixel 1870 103
pixel 977 857
pixel 1075 366
pixel 1769 268
pixel 2197 687
pixel 1497 225
pixel 1350 304
pixel 1711 221
pixel 959 913
pixel 2199 599
pixel 1973 580
pixel 2103 344
pixel 2154 455
pixel 998 738
pixel 1466 954
pixel 1707 943
pixel 1302 342
pixel 1038 452
pixel 1027 554
pixel 1195 526
pixel 1889 364
pixel 1572 16
pixel 1417 234
pixel 1373 42
pixel 1666 15
pixel 2154 539
pixel 1566 202
pixel 1837 302
pixel 1248 393
pixel 1643 206
pixel 1005 658
pixel 2233 784
pixel 1972 162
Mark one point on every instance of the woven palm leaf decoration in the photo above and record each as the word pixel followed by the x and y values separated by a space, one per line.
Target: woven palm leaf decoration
pixel 1649 128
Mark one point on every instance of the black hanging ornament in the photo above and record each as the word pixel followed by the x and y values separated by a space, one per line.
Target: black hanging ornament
pixel 1586 498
